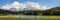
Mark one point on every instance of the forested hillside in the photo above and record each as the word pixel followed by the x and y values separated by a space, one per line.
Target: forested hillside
pixel 53 11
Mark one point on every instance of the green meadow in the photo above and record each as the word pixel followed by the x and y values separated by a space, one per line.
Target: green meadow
pixel 39 18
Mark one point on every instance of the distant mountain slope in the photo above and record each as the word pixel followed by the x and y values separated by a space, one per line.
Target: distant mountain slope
pixel 58 7
pixel 53 11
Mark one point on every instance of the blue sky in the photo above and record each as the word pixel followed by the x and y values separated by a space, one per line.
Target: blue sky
pixel 49 3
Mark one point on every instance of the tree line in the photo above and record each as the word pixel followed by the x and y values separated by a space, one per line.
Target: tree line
pixel 49 12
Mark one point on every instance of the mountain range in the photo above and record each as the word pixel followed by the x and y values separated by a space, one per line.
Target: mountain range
pixel 54 11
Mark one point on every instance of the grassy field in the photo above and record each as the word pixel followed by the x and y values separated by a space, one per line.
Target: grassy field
pixel 43 18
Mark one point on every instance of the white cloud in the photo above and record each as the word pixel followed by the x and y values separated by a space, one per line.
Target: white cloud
pixel 6 7
pixel 26 5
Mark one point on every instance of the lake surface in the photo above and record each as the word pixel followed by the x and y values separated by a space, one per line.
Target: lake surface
pixel 27 16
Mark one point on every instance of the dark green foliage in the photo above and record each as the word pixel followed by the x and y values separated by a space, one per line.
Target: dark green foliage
pixel 53 11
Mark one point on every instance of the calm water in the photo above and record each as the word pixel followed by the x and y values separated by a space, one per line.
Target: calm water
pixel 27 16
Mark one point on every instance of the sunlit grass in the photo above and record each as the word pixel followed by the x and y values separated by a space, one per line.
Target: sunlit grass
pixel 40 18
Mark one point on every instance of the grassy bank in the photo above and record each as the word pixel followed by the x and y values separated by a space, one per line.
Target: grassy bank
pixel 40 18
